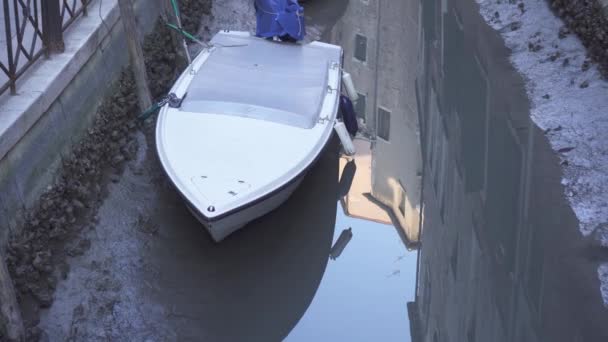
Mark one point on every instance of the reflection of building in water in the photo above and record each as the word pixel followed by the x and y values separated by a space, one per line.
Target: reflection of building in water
pixel 375 52
pixel 493 233
pixel 358 201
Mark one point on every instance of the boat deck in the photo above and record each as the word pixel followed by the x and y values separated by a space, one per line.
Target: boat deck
pixel 256 78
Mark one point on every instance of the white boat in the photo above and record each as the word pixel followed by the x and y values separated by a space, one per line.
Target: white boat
pixel 253 118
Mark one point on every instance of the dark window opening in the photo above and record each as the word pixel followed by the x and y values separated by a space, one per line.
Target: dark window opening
pixel 384 124
pixel 360 107
pixel 361 47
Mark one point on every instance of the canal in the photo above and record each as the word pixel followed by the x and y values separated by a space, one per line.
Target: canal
pixel 450 224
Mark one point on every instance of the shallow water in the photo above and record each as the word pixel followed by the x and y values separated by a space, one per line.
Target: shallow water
pixel 364 292
pixel 501 258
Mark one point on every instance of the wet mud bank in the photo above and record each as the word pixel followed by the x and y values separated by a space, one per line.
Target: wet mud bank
pixel 516 187
pixel 588 20
pixel 567 94
pixel 38 255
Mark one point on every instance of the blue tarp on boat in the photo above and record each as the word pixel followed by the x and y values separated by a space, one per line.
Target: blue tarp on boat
pixel 280 18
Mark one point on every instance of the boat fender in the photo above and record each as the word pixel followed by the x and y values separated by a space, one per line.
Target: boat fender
pixel 347 143
pixel 348 115
pixel 347 80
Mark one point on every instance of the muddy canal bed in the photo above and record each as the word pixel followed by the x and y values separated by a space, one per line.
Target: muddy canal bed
pixel 128 261
pixel 458 169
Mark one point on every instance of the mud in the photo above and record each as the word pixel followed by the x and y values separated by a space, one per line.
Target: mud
pixel 192 12
pixel 587 20
pixel 37 257
pixel 64 209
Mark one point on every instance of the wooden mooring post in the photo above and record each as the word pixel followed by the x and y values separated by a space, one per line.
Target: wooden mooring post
pixel 135 53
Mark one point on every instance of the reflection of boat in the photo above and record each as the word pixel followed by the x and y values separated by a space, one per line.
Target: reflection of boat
pixel 264 278
pixel 255 116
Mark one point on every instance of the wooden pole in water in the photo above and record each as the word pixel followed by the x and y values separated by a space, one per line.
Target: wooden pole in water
pixel 10 314
pixel 135 53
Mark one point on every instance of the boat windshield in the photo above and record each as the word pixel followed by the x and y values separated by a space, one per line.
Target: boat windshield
pixel 252 77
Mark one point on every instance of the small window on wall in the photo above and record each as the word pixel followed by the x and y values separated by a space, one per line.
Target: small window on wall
pixel 384 124
pixel 361 47
pixel 360 107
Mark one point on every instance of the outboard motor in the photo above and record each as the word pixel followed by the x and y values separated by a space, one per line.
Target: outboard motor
pixel 280 18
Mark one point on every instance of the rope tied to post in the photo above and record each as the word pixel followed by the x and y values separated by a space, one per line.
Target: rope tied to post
pixel 171 99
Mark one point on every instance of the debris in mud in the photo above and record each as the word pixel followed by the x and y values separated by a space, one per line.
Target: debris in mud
pixel 522 7
pixel 554 56
pixel 556 129
pixel 516 25
pixel 584 85
pixel 586 65
pixel 534 46
pixel 563 32
pixel 78 249
pixel 146 225
pixel 565 149
pixel 64 270
pixel 535 43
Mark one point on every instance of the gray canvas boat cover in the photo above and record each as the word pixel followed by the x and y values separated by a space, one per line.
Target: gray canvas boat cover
pixel 256 78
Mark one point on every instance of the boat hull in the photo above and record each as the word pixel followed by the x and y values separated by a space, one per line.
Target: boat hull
pixel 236 147
pixel 219 229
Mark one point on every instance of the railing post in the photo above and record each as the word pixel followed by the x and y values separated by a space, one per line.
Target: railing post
pixel 12 68
pixel 51 27
pixel 84 7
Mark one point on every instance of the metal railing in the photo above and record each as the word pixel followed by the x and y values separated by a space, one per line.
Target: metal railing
pixel 32 28
pixel 73 9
